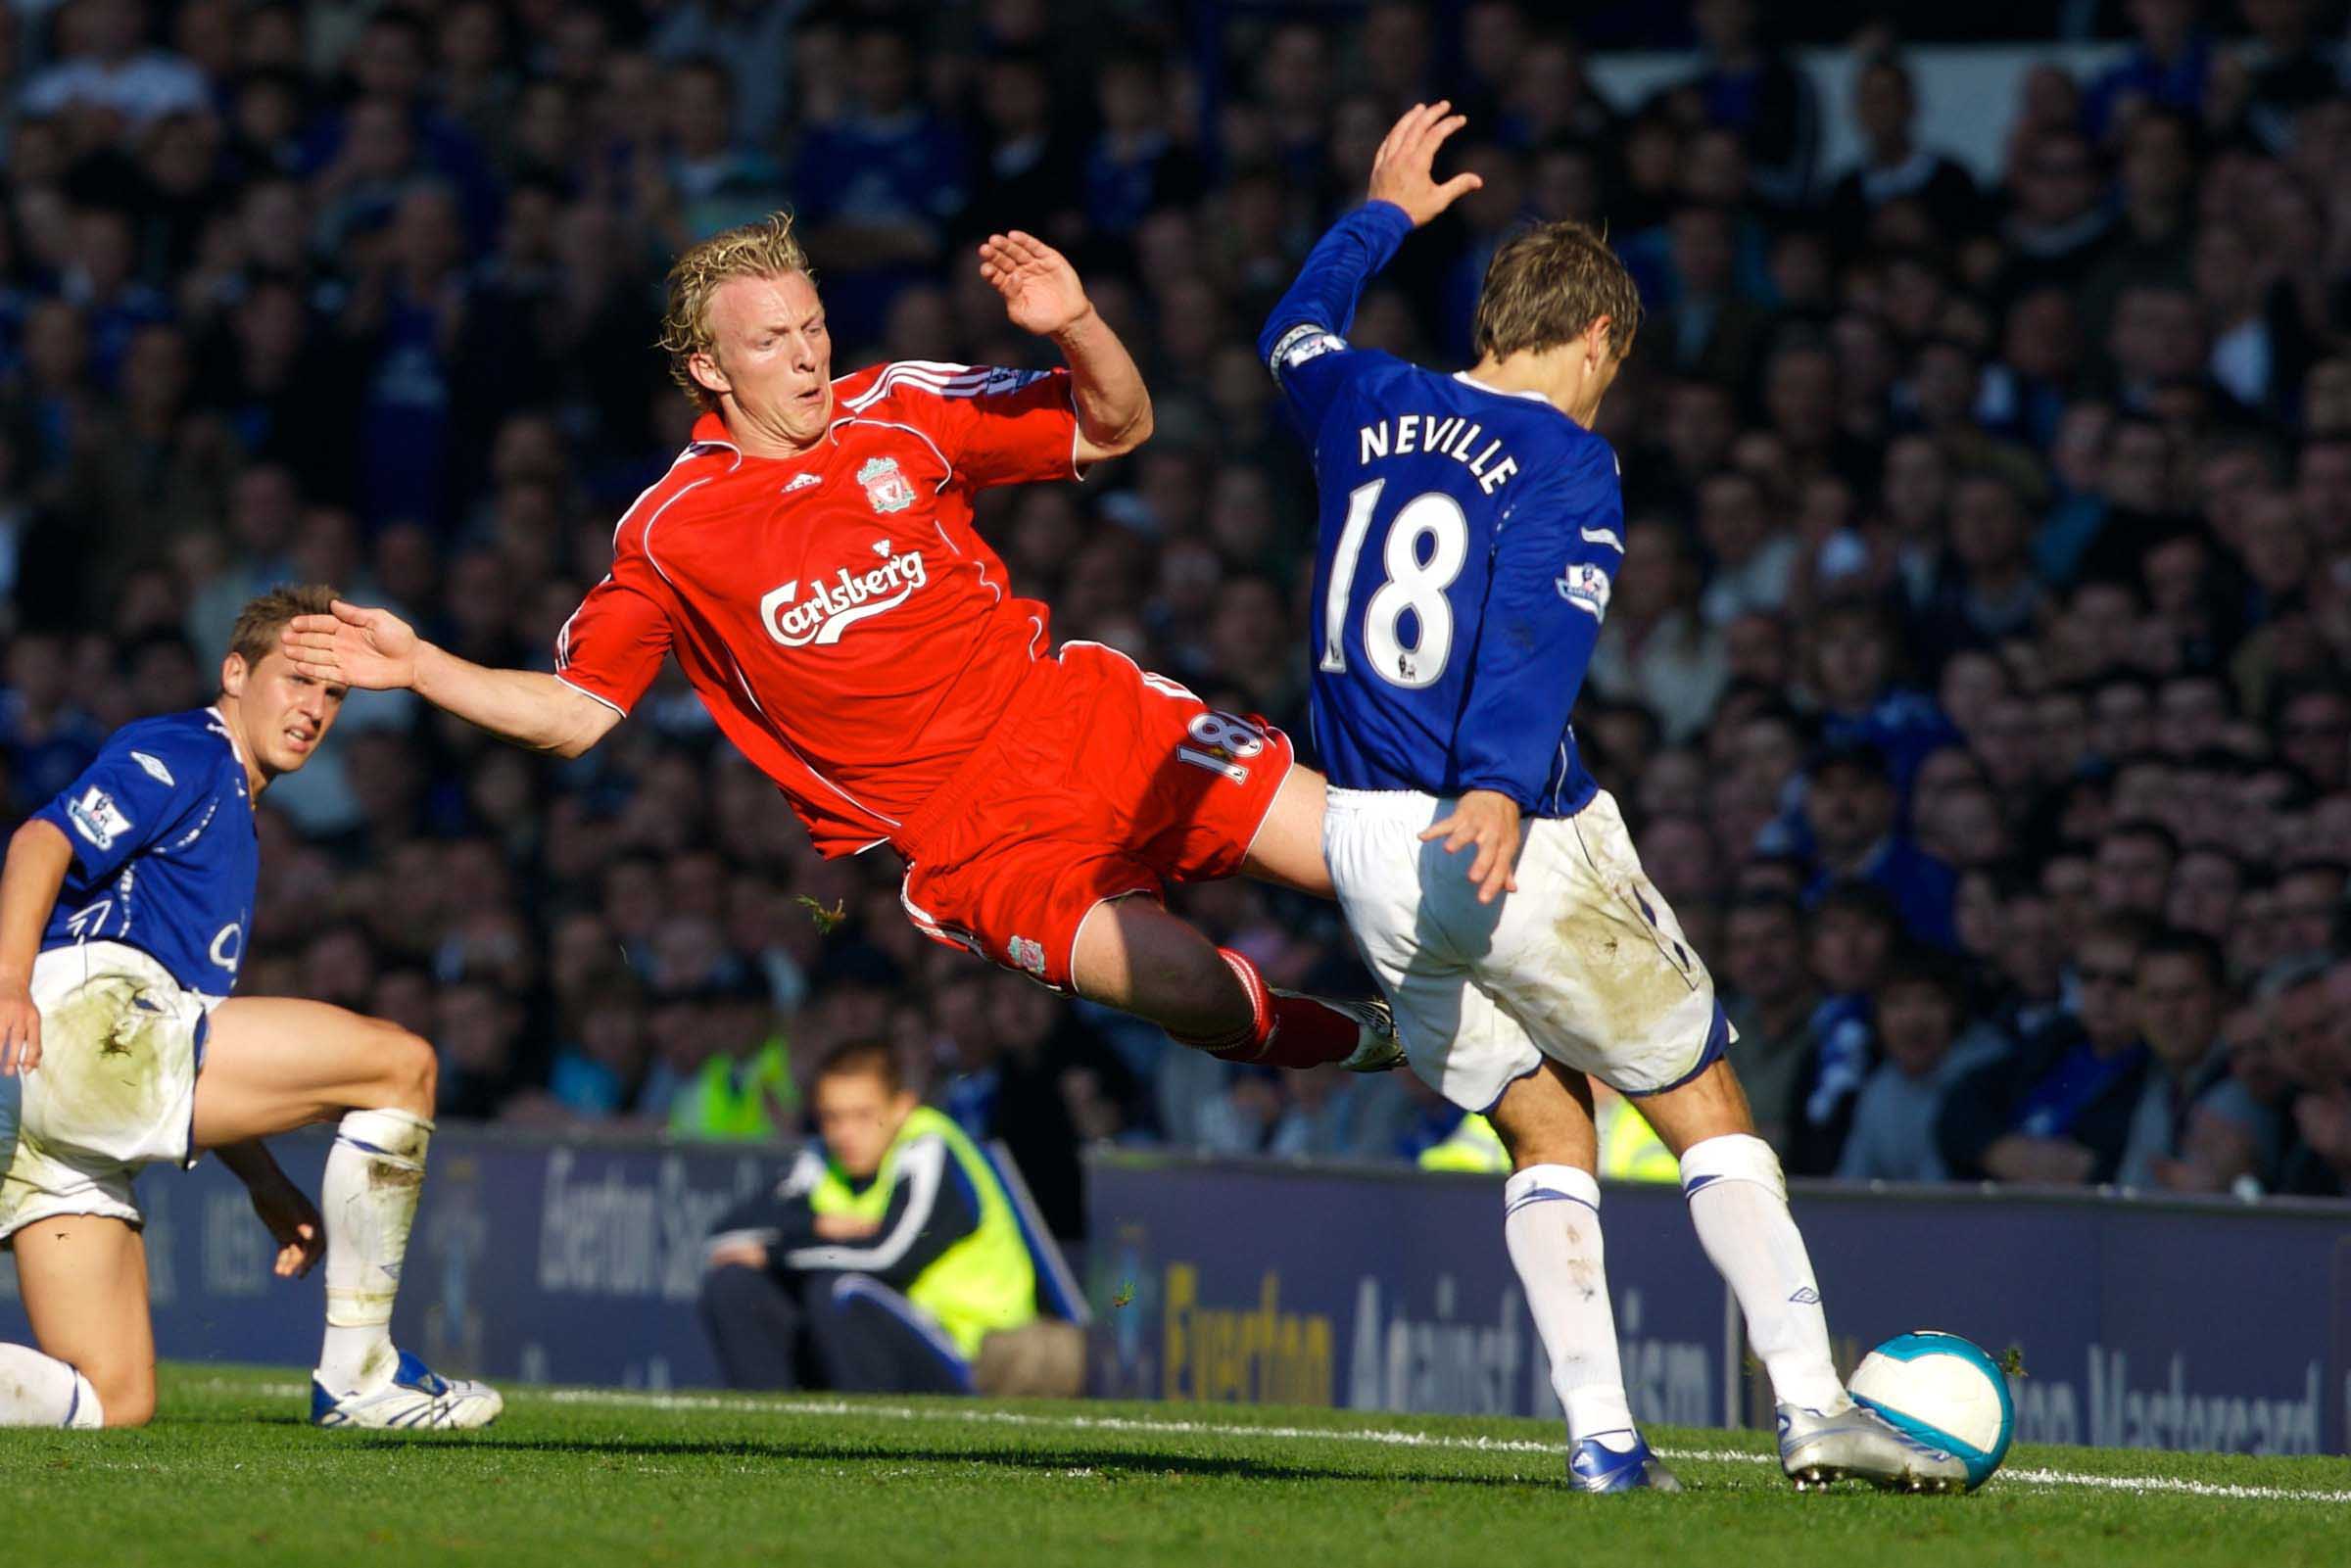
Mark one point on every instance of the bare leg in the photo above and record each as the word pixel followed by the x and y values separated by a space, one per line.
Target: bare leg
pixel 84 1283
pixel 1288 847
pixel 1711 1104
pixel 1544 1118
pixel 1133 955
pixel 272 1064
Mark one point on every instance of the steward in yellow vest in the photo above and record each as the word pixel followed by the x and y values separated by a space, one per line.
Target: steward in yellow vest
pixel 1473 1145
pixel 730 1101
pixel 884 1258
pixel 1630 1149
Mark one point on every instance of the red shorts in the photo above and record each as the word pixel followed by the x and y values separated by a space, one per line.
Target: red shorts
pixel 1099 781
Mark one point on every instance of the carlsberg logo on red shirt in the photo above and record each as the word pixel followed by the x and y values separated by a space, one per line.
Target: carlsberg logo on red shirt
pixel 836 603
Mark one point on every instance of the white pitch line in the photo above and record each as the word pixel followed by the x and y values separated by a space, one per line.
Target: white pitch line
pixel 1385 1437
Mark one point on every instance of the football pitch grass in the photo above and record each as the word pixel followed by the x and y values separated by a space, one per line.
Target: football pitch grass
pixel 230 1474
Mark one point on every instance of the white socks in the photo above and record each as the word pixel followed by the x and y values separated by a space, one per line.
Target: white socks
pixel 374 1176
pixel 37 1390
pixel 1551 1223
pixel 1738 1203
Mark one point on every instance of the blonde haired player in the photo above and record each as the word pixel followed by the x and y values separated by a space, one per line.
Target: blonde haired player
pixel 125 909
pixel 811 562
pixel 1470 530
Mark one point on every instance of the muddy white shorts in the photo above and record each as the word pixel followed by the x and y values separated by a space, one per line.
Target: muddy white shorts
pixel 116 1090
pixel 1584 964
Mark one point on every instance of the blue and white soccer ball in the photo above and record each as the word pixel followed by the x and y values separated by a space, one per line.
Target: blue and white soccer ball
pixel 1943 1390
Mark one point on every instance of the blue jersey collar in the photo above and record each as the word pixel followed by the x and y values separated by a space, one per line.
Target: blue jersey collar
pixel 1468 380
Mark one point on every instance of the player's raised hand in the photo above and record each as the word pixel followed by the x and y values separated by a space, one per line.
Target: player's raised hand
pixel 1489 820
pixel 1040 289
pixel 1401 168
pixel 292 1222
pixel 20 1032
pixel 372 649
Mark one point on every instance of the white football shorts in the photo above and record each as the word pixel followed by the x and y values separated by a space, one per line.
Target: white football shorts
pixel 1584 964
pixel 116 1090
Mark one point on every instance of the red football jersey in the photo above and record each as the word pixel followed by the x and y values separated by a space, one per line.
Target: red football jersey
pixel 836 611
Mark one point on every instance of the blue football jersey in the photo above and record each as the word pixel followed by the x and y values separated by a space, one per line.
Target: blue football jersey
pixel 164 854
pixel 1468 539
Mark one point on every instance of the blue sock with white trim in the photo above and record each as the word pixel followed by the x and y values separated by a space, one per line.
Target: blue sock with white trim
pixel 1739 1203
pixel 1551 1223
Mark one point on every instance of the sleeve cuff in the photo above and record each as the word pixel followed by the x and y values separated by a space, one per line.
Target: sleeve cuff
pixel 591 696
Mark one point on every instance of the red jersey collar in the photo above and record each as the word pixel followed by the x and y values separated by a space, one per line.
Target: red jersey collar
pixel 711 431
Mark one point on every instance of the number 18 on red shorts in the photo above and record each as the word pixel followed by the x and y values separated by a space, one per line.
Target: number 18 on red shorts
pixel 1101 781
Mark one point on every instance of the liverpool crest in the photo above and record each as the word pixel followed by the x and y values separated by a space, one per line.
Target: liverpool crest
pixel 884 485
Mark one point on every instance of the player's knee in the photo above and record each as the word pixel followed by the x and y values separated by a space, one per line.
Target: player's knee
pixel 126 1396
pixel 411 1073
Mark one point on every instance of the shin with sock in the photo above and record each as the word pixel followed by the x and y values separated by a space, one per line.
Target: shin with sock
pixel 374 1177
pixel 1551 1223
pixel 1738 1203
pixel 1284 1030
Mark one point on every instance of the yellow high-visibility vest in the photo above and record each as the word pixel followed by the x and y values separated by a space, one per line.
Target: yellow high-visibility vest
pixel 1630 1150
pixel 984 1282
pixel 1474 1145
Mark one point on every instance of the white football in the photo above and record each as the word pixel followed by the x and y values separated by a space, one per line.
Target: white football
pixel 1944 1390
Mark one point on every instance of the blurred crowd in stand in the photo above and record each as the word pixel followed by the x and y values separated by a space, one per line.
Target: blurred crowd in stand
pixel 1975 683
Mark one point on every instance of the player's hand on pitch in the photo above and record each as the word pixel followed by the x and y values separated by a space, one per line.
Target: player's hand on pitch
pixel 1040 289
pixel 1401 168
pixel 1489 820
pixel 20 1032
pixel 372 649
pixel 292 1222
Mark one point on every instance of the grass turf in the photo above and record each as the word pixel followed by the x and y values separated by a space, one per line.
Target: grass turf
pixel 229 1474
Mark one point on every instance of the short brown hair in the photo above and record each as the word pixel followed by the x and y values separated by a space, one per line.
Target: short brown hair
pixel 1547 285
pixel 868 1059
pixel 765 249
pixel 263 621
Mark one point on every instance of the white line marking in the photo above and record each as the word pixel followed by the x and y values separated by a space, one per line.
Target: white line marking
pixel 1385 1437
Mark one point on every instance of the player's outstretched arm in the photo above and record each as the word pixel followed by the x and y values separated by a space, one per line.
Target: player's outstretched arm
pixel 376 651
pixel 1304 341
pixel 1043 295
pixel 38 858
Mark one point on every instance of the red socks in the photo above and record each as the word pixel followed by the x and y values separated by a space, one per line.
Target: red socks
pixel 1284 1030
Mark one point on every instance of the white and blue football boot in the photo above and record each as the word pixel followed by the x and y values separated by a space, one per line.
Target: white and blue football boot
pixel 415 1399
pixel 1594 1467
pixel 1818 1447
